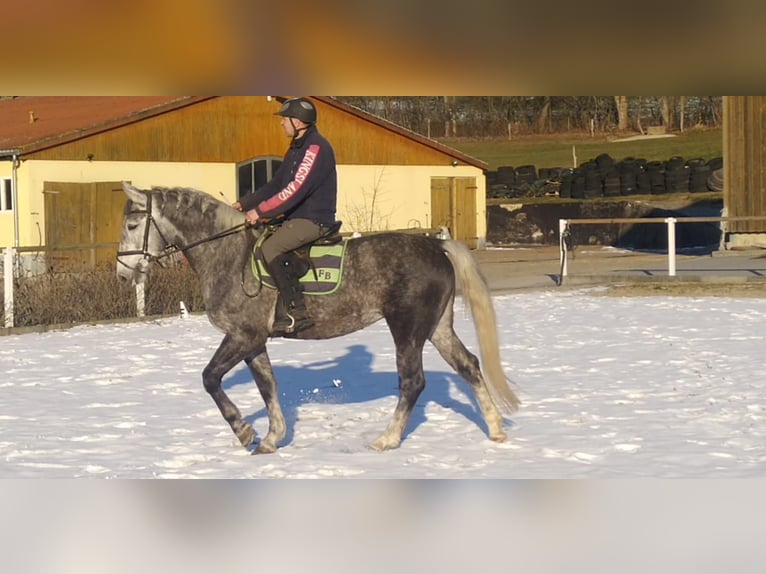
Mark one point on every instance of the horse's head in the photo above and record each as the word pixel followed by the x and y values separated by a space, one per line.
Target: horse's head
pixel 141 240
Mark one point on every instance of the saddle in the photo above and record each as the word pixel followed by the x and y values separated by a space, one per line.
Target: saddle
pixel 318 264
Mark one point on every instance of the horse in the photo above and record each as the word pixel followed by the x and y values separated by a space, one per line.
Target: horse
pixel 408 280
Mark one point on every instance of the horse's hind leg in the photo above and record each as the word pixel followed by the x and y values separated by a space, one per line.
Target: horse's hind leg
pixel 260 367
pixel 466 364
pixel 229 353
pixel 412 381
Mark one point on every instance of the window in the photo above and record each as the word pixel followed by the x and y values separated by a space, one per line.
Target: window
pixel 255 173
pixel 6 194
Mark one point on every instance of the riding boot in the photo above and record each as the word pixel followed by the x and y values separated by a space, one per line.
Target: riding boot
pixel 291 314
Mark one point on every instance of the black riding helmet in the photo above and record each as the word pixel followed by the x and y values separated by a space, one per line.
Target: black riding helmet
pixel 300 109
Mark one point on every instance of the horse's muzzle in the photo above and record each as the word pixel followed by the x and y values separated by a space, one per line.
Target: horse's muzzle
pixel 132 270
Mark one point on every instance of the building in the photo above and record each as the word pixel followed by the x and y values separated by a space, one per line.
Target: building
pixel 745 170
pixel 63 160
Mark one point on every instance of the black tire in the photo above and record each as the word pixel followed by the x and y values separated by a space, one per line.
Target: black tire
pixel 629 182
pixel 578 187
pixel 696 162
pixel 675 162
pixel 506 174
pixel 498 190
pixel 698 179
pixel 566 186
pixel 715 163
pixel 715 181
pixel 644 183
pixel 677 179
pixel 605 162
pixel 594 185
pixel 526 174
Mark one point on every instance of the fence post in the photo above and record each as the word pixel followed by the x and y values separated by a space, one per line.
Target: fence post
pixel 8 257
pixel 671 221
pixel 562 247
pixel 140 301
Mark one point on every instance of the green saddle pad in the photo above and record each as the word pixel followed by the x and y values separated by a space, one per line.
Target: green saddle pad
pixel 324 275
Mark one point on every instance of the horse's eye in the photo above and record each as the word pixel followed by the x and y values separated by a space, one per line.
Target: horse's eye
pixel 132 226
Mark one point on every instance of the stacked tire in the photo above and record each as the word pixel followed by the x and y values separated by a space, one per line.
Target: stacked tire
pixel 630 170
pixel 605 177
pixel 677 175
pixel 698 176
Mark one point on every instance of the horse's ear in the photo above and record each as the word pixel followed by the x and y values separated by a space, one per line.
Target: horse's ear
pixel 133 193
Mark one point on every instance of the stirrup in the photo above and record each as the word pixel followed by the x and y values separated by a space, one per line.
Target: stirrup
pixel 293 325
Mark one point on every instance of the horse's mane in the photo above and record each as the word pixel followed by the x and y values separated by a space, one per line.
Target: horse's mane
pixel 204 205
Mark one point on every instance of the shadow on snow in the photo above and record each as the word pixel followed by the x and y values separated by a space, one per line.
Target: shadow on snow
pixel 314 383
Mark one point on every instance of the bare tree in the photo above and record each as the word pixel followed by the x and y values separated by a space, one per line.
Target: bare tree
pixel 450 125
pixel 544 116
pixel 495 116
pixel 666 108
pixel 623 105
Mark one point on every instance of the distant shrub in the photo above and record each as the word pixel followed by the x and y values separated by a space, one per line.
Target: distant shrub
pixel 57 298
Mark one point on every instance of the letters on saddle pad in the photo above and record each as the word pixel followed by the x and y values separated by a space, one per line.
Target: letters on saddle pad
pixel 323 274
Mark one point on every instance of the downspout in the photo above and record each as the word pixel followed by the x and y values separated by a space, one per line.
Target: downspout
pixel 14 155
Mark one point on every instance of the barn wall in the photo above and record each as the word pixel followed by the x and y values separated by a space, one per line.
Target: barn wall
pixel 745 168
pixel 226 129
pixel 213 178
pixel 376 198
pixel 6 218
pixel 198 146
pixel 369 197
pixel 6 230
pixel 231 129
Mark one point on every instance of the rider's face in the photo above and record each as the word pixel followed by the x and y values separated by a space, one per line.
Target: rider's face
pixel 291 126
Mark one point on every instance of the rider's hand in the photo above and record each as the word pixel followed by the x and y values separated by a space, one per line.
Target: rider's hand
pixel 237 205
pixel 251 217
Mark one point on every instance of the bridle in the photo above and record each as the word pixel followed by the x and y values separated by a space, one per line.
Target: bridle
pixel 170 248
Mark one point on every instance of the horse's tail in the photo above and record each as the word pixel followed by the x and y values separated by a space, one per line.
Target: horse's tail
pixel 476 291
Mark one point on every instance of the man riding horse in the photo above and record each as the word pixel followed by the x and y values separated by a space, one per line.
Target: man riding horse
pixel 303 196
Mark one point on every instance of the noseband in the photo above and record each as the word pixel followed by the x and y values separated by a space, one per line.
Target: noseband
pixel 170 248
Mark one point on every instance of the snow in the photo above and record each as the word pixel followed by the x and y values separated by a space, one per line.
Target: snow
pixel 611 387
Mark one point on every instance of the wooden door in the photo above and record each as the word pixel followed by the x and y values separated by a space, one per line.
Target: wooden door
pixel 82 223
pixel 453 205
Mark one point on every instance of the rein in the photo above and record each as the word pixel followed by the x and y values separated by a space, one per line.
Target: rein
pixel 170 248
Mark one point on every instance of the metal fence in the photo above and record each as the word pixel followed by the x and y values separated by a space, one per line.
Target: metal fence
pixel 670 222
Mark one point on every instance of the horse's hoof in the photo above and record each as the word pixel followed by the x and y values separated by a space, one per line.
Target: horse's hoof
pixel 383 445
pixel 246 435
pixel 501 437
pixel 264 449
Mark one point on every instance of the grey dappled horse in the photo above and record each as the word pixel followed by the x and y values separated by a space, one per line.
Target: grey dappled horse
pixel 408 280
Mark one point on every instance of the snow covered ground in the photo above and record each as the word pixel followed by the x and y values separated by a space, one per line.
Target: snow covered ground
pixel 611 388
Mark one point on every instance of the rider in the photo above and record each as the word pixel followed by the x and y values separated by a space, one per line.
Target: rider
pixel 303 195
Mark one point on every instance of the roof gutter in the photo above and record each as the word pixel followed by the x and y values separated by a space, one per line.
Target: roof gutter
pixel 13 155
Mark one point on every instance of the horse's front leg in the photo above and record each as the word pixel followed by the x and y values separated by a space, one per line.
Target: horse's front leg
pixel 260 367
pixel 229 353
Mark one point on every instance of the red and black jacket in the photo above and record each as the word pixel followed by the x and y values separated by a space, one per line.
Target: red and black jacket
pixel 305 185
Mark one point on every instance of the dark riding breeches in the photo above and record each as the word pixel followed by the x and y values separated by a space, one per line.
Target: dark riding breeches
pixel 292 234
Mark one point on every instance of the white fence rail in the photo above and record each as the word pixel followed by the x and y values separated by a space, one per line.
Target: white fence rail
pixel 9 256
pixel 670 222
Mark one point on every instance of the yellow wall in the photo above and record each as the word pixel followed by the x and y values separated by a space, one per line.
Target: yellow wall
pixel 370 198
pixel 6 217
pixel 376 198
pixel 32 175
